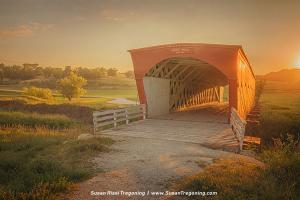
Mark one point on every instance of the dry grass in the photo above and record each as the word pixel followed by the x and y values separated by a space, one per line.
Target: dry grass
pixel 278 177
pixel 37 163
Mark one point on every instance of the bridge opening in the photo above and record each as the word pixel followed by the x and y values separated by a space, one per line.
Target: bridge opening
pixel 185 84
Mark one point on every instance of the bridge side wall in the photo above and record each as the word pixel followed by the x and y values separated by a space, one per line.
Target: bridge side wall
pixel 245 86
pixel 158 95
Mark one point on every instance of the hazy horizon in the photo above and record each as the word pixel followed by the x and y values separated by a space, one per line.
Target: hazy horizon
pixel 99 33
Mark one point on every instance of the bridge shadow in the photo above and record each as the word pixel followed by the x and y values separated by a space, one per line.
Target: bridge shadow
pixel 211 112
pixel 206 125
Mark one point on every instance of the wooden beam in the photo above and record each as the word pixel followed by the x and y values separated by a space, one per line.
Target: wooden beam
pixel 189 73
pixel 181 72
pixel 160 68
pixel 172 70
pixel 217 94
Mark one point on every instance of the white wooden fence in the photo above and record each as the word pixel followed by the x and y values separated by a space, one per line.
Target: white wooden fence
pixel 238 126
pixel 113 118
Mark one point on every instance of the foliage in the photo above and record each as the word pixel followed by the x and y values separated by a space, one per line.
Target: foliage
pixel 112 72
pixel 35 120
pixel 71 86
pixel 92 73
pixel 32 71
pixel 43 93
pixel 245 178
pixel 129 74
pixel 259 87
pixel 39 163
pixel 1 76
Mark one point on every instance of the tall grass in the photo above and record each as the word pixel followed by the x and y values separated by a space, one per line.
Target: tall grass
pixel 280 112
pixel 274 123
pixel 35 120
pixel 39 163
pixel 277 178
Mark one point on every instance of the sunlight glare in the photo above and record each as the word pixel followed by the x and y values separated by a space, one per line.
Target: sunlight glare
pixel 298 62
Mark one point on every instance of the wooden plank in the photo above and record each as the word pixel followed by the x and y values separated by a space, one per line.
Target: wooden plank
pixel 104 124
pixel 189 73
pixel 133 113
pixel 135 116
pixel 113 117
pixel 181 72
pixel 172 70
pixel 160 68
pixel 106 112
pixel 238 126
pixel 104 118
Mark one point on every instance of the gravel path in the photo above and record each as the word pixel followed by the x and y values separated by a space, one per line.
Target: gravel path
pixel 139 164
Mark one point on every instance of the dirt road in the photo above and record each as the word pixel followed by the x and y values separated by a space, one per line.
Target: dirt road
pixel 138 164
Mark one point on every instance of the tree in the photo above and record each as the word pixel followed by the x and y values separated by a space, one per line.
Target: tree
pixel 71 86
pixel 1 76
pixel 67 71
pixel 129 74
pixel 112 72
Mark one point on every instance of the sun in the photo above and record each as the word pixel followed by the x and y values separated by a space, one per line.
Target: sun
pixel 298 62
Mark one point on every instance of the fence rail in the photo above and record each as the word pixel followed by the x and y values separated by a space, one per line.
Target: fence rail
pixel 238 126
pixel 113 118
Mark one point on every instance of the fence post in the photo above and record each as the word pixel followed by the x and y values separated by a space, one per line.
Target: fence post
pixel 144 111
pixel 115 119
pixel 94 122
pixel 126 116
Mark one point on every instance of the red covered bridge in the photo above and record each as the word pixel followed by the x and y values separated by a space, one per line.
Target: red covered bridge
pixel 190 91
pixel 175 77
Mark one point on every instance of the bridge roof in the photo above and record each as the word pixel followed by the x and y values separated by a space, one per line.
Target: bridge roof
pixel 230 47
pixel 187 45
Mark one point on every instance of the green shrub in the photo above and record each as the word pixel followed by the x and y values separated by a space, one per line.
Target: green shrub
pixel 43 93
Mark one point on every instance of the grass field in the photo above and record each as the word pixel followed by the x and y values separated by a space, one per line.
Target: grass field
pixel 280 112
pixel 39 151
pixel 92 95
pixel 98 92
pixel 93 98
pixel 41 156
pixel 276 178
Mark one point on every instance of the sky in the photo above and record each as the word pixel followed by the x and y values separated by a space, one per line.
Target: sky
pixel 98 33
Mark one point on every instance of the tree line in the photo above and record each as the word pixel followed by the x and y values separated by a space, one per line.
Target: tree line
pixel 32 71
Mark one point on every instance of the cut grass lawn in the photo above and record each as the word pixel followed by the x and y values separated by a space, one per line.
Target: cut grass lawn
pixel 38 163
pixel 107 88
pixel 93 98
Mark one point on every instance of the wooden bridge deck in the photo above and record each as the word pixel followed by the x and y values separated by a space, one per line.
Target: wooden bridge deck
pixel 204 125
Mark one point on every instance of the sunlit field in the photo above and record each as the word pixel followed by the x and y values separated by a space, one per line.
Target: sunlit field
pixel 98 94
pixel 280 112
